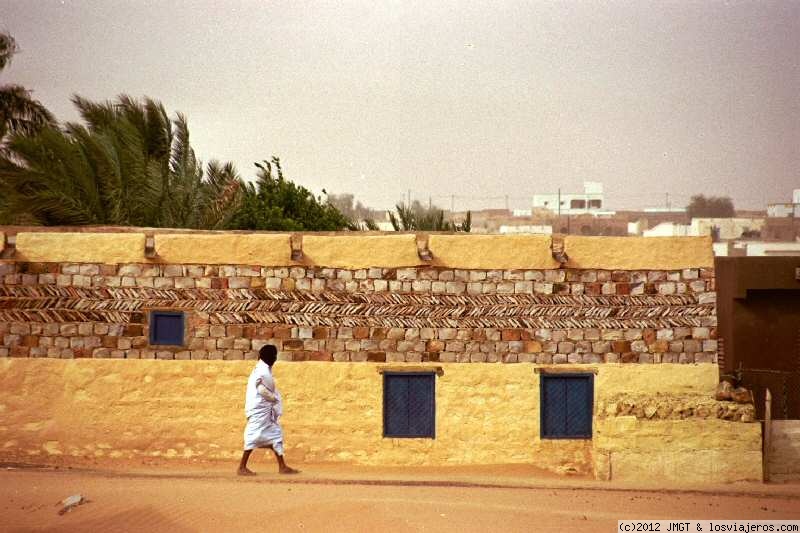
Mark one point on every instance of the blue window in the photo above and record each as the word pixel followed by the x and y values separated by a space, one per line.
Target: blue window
pixel 566 406
pixel 409 406
pixel 166 328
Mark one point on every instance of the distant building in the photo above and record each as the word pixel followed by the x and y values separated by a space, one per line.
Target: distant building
pixel 761 249
pixel 784 210
pixel 547 230
pixel 668 229
pixel 727 228
pixel 591 201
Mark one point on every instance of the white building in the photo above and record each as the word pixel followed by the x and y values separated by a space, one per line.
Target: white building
pixel 547 230
pixel 589 202
pixel 669 229
pixel 786 210
pixel 725 228
pixel 773 248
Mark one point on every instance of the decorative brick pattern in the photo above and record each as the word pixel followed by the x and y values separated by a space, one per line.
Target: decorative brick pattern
pixel 408 314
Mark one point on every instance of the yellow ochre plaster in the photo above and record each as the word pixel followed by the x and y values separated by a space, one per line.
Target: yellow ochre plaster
pixel 224 248
pixel 361 251
pixel 492 251
pixel 638 253
pixel 99 410
pixel 80 247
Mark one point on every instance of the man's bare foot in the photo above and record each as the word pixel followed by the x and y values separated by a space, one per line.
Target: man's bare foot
pixel 288 470
pixel 245 472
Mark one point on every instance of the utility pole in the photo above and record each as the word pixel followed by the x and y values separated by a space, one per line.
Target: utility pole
pixel 506 202
pixel 409 198
pixel 452 202
pixel 558 203
pixel 667 202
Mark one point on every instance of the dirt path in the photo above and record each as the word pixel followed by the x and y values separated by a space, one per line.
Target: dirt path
pixel 216 501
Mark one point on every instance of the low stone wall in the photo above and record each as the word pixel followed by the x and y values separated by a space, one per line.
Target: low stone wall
pixel 106 411
pixel 686 451
pixel 784 453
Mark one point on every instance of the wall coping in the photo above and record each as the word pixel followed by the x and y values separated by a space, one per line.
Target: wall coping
pixel 350 249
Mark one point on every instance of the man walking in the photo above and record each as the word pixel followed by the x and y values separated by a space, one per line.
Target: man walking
pixel 263 407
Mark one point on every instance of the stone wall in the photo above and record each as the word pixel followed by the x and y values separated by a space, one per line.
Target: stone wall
pixel 68 310
pixel 450 307
pixel 486 414
pixel 639 313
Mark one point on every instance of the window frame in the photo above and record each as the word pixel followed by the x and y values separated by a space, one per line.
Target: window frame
pixel 152 315
pixel 589 376
pixel 385 414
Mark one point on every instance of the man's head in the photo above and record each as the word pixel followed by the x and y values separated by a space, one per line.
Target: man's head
pixel 269 354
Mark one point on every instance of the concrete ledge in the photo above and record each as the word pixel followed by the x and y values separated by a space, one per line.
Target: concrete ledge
pixel 224 248
pixel 358 251
pixel 80 247
pixel 639 253
pixel 492 251
pixel 349 250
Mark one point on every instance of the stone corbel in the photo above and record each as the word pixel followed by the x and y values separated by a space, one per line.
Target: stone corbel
pixel 423 251
pixel 558 252
pixel 296 242
pixel 150 246
pixel 7 246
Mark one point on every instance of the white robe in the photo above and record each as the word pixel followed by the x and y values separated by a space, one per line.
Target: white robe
pixel 262 427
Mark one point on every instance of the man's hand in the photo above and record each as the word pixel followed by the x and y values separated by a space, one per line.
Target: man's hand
pixel 266 393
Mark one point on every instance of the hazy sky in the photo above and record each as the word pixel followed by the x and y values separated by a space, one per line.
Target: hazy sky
pixel 479 100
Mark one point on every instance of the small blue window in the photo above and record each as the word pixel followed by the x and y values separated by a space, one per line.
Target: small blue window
pixel 566 406
pixel 409 406
pixel 166 328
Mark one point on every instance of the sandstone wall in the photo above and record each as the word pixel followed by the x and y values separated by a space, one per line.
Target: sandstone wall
pixel 85 411
pixel 640 313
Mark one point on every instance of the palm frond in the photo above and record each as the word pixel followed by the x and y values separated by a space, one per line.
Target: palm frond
pixel 8 47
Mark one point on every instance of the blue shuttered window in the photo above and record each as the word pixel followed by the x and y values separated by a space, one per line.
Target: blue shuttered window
pixel 566 406
pixel 166 328
pixel 409 406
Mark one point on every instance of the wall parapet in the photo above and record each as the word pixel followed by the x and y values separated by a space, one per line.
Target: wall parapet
pixel 351 250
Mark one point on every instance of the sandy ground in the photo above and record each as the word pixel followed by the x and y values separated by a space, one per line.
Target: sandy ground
pixel 336 498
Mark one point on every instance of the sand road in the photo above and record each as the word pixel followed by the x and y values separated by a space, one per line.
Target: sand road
pixel 172 501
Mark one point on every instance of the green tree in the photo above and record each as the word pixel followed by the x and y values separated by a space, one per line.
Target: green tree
pixel 701 206
pixel 275 203
pixel 19 112
pixel 128 164
pixel 416 217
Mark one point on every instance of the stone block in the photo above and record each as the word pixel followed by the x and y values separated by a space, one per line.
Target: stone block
pixel 542 287
pixel 421 285
pixel 566 347
pixel 665 334
pixel 611 335
pixel 582 347
pixel 620 346
pixel 575 334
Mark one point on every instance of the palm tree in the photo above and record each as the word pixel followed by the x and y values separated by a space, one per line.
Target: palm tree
pixel 19 113
pixel 418 218
pixel 128 164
